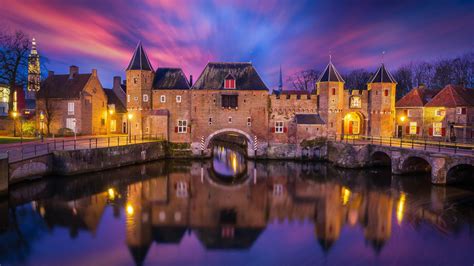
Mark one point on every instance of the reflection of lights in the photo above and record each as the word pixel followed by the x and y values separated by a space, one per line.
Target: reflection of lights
pixel 346 193
pixel 401 208
pixel 130 209
pixel 234 163
pixel 42 211
pixel 111 193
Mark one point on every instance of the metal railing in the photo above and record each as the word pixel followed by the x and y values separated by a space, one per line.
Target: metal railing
pixel 418 144
pixel 31 150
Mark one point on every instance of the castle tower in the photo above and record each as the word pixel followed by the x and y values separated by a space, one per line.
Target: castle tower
pixel 330 91
pixel 381 112
pixel 139 75
pixel 33 72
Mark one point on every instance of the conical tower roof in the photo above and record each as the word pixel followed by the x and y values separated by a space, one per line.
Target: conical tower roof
pixel 330 74
pixel 140 59
pixel 382 76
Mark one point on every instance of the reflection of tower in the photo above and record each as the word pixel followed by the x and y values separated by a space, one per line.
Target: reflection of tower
pixel 328 217
pixel 33 72
pixel 138 236
pixel 379 222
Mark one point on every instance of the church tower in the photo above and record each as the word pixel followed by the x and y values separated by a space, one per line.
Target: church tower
pixel 139 75
pixel 381 113
pixel 34 72
pixel 330 91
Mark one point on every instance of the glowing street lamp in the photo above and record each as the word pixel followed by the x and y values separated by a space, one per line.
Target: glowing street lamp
pixel 14 115
pixel 403 118
pixel 42 123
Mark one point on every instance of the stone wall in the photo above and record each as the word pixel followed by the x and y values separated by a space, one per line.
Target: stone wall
pixel 348 155
pixel 83 161
pixel 31 168
pixel 3 174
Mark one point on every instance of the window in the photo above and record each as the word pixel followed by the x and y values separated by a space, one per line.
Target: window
pixel 386 92
pixel 102 122
pixel 128 98
pixel 249 121
pixel 355 102
pixel 163 98
pixel 229 83
pixel 277 189
pixel 71 124
pixel 461 110
pixel 182 126
pixel 145 97
pixel 70 108
pixel 113 125
pixel 333 91
pixel 135 98
pixel 413 128
pixel 279 127
pixel 178 98
pixel 439 112
pixel 230 119
pixel 229 101
pixel 409 113
pixel 135 80
pixel 181 189
pixel 210 121
pixel 437 129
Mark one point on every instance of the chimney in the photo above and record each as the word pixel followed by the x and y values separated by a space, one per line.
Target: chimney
pixel 73 70
pixel 50 73
pixel 94 72
pixel 117 82
pixel 190 80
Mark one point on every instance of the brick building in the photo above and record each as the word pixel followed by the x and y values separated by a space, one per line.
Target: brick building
pixel 446 114
pixel 231 99
pixel 72 101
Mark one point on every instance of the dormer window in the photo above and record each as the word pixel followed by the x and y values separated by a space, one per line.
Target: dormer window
pixel 229 82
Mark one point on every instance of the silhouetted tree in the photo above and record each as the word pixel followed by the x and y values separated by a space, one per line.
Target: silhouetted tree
pixel 357 79
pixel 304 80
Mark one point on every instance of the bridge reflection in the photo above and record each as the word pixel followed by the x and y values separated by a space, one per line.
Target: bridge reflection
pixel 161 202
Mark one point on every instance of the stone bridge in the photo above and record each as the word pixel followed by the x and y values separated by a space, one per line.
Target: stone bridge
pixel 444 166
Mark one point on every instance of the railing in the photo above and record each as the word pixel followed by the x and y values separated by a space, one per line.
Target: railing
pixel 31 150
pixel 418 144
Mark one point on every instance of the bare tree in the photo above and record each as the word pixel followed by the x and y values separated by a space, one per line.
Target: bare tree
pixel 304 80
pixel 357 79
pixel 14 49
pixel 404 78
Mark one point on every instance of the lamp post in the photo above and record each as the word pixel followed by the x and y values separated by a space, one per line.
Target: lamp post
pixel 14 115
pixel 129 116
pixel 42 123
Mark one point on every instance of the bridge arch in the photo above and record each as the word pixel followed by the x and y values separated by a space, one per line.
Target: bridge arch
pixel 380 158
pixel 462 172
pixel 249 139
pixel 416 164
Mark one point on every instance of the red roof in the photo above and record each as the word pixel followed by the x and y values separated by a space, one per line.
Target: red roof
pixel 417 97
pixel 453 96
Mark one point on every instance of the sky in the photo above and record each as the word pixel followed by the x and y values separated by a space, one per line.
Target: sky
pixel 295 34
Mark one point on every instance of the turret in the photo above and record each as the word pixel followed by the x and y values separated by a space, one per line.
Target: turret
pixel 33 72
pixel 330 90
pixel 139 76
pixel 382 91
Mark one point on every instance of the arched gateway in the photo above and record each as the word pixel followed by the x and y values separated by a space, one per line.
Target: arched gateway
pixel 248 138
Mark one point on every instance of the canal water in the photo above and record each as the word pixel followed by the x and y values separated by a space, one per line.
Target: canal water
pixel 230 211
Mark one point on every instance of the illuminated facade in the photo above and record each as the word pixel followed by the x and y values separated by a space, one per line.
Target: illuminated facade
pixel 34 72
pixel 4 98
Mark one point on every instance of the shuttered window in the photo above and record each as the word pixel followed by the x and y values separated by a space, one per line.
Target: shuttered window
pixel 229 101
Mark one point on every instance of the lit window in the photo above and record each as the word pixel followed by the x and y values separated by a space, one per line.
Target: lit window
pixel 249 121
pixel 145 97
pixel 70 108
pixel 163 98
pixel 279 127
pixel 128 98
pixel 182 126
pixel 461 110
pixel 413 128
pixel 178 98
pixel 355 102
pixel 437 129
pixel 439 112
pixel 409 113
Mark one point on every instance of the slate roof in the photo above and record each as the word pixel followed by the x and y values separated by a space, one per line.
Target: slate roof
pixel 61 86
pixel 113 99
pixel 330 74
pixel 382 76
pixel 453 96
pixel 170 78
pixel 213 75
pixel 308 119
pixel 417 97
pixel 140 59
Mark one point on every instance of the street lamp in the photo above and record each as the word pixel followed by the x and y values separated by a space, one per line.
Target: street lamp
pixel 14 115
pixel 403 118
pixel 42 123
pixel 130 116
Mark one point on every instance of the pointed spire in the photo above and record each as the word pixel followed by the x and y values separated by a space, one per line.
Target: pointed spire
pixel 382 76
pixel 280 84
pixel 140 59
pixel 330 73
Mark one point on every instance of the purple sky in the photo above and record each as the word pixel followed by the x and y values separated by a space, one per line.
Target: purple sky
pixel 296 34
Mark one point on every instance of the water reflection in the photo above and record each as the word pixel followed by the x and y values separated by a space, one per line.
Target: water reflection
pixel 174 213
pixel 228 164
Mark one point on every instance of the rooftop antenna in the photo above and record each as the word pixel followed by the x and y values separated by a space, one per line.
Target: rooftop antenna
pixel 330 57
pixel 383 55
